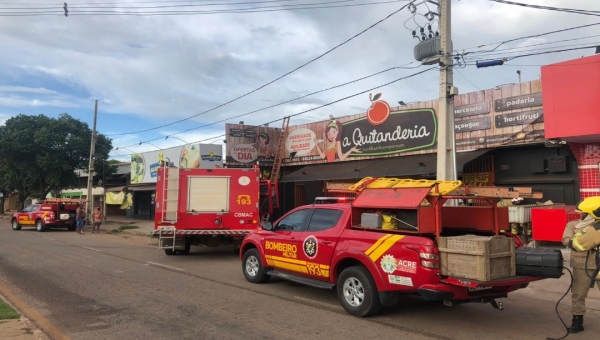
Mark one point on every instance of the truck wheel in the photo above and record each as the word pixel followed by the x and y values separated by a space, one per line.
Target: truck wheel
pixel 170 251
pixel 253 268
pixel 39 226
pixel 15 225
pixel 357 292
pixel 186 250
pixel 71 228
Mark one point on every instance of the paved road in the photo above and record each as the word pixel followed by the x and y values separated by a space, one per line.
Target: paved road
pixel 104 286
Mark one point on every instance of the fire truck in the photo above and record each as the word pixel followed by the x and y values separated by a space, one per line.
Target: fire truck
pixel 395 237
pixel 210 207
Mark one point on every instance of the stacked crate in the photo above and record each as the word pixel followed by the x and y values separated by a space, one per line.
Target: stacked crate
pixel 480 258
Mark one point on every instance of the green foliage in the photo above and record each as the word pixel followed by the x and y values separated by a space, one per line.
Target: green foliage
pixel 7 312
pixel 40 154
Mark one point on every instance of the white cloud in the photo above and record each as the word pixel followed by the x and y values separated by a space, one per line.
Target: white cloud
pixel 165 68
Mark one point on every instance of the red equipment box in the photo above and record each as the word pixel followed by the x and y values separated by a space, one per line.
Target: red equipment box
pixel 548 223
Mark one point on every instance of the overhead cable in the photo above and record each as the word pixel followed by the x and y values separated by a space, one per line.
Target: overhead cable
pixel 287 101
pixel 312 109
pixel 272 81
pixel 256 9
pixel 550 8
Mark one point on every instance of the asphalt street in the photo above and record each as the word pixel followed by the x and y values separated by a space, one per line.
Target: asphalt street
pixel 103 286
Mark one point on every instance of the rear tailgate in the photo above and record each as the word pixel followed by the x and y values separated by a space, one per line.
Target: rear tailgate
pixel 452 288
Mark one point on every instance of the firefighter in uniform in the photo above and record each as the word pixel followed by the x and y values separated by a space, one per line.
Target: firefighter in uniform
pixel 583 237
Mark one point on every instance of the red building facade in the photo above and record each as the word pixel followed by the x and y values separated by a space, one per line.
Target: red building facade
pixel 571 101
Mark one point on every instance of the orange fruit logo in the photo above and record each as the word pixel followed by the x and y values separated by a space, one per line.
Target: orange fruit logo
pixel 379 111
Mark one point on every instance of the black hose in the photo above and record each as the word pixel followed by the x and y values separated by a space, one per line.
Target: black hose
pixel 556 308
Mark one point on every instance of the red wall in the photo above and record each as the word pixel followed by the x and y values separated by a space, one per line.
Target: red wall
pixel 571 98
pixel 588 163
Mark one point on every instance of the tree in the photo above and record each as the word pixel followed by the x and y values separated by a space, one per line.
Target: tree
pixel 40 154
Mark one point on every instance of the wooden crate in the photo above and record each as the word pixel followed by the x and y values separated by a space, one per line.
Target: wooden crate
pixel 481 258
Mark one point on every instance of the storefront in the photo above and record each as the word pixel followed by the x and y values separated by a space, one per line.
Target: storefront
pixel 572 104
pixel 500 140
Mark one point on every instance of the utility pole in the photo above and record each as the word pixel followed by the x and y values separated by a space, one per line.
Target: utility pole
pixel 90 197
pixel 446 156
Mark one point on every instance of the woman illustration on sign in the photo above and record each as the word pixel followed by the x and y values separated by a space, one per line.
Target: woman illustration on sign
pixel 264 149
pixel 333 136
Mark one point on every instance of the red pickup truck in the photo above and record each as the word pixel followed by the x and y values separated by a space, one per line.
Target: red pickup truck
pixel 52 213
pixel 327 246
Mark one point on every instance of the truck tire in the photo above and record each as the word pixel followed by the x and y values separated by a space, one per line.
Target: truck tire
pixel 186 250
pixel 39 226
pixel 253 268
pixel 170 251
pixel 15 225
pixel 357 292
pixel 71 228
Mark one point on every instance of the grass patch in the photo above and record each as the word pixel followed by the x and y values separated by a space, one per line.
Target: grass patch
pixel 7 312
pixel 124 227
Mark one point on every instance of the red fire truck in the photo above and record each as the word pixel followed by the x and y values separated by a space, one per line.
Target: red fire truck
pixel 210 207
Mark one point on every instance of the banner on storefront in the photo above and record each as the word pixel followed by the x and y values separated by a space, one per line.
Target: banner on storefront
pixel 144 165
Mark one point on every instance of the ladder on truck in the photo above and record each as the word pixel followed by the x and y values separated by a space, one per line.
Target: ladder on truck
pixel 170 204
pixel 279 153
pixel 170 195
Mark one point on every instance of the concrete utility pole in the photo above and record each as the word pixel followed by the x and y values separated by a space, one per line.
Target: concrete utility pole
pixel 90 197
pixel 446 157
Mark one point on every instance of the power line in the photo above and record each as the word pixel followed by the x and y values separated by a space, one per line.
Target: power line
pixel 78 6
pixel 527 37
pixel 274 80
pixel 550 8
pixel 318 107
pixel 257 9
pixel 478 53
pixel 517 52
pixel 285 102
pixel 539 53
pixel 465 78
pixel 553 65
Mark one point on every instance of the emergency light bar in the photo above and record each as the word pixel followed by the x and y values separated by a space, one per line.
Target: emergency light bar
pixel 332 200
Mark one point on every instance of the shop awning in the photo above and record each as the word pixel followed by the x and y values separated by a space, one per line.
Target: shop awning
pixel 116 189
pixel 415 165
pixel 143 188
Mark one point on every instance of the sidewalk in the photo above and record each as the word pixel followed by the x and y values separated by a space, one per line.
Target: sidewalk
pixel 144 227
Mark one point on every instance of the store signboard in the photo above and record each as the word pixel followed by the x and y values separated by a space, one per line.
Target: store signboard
pixel 472 109
pixel 402 131
pixel 473 124
pixel 144 165
pixel 501 116
pixel 248 144
pixel 519 118
pixel 518 102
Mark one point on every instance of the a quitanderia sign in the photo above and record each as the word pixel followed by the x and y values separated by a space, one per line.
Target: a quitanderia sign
pixel 402 131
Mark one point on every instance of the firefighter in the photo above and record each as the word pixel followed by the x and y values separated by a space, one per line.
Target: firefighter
pixel 582 236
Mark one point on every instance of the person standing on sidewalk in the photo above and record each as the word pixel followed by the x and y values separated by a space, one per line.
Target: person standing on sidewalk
pixel 98 217
pixel 581 274
pixel 80 218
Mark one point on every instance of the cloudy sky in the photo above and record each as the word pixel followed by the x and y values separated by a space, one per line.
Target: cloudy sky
pixel 165 65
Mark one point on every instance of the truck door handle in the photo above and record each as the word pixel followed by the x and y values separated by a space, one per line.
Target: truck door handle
pixel 326 242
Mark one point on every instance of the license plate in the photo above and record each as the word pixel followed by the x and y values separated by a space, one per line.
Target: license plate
pixel 475 289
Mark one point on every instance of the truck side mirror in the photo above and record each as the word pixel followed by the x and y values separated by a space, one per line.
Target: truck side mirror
pixel 267 226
